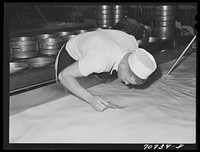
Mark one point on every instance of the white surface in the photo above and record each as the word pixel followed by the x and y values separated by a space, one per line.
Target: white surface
pixel 164 112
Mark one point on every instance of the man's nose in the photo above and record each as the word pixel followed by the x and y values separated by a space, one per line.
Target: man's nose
pixel 126 82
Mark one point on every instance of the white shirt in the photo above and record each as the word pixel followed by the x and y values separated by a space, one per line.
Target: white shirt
pixel 101 50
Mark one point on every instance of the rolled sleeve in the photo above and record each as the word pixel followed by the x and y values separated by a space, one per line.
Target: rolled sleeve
pixel 92 62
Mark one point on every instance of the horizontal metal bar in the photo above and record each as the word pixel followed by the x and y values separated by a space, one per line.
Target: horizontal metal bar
pixel 27 88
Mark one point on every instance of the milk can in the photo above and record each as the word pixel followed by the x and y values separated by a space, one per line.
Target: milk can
pixel 119 12
pixel 104 16
pixel 164 21
pixel 23 47
pixel 49 44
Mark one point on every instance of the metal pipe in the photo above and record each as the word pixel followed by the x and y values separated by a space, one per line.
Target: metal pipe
pixel 41 14
pixel 33 86
pixel 18 19
pixel 180 56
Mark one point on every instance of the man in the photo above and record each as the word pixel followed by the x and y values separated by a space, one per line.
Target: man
pixel 100 51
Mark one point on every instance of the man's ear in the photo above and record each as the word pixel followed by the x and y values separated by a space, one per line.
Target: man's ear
pixel 124 62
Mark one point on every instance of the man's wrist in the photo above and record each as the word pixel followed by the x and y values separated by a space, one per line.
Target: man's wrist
pixel 89 97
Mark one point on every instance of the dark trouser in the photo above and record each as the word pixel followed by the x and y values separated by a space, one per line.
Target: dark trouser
pixel 65 60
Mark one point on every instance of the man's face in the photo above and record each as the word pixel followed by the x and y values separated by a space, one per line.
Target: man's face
pixel 125 76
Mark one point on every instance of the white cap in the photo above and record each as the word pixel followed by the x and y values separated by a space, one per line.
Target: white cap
pixel 142 63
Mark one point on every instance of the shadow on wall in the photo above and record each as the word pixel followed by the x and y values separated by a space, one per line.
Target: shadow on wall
pixel 28 15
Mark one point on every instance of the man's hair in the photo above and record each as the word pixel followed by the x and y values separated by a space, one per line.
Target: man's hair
pixel 129 26
pixel 138 80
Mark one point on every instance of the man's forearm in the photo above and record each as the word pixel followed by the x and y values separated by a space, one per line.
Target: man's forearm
pixel 74 87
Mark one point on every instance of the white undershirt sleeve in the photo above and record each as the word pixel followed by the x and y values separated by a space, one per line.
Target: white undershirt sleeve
pixel 92 62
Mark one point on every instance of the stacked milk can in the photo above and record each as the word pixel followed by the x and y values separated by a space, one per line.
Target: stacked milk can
pixel 63 35
pixel 104 16
pixel 23 47
pixel 108 15
pixel 49 44
pixel 164 21
pixel 119 13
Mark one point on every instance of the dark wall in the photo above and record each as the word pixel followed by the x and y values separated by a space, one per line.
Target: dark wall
pixel 27 14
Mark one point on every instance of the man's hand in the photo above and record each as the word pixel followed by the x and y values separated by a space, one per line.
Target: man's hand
pixel 98 103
